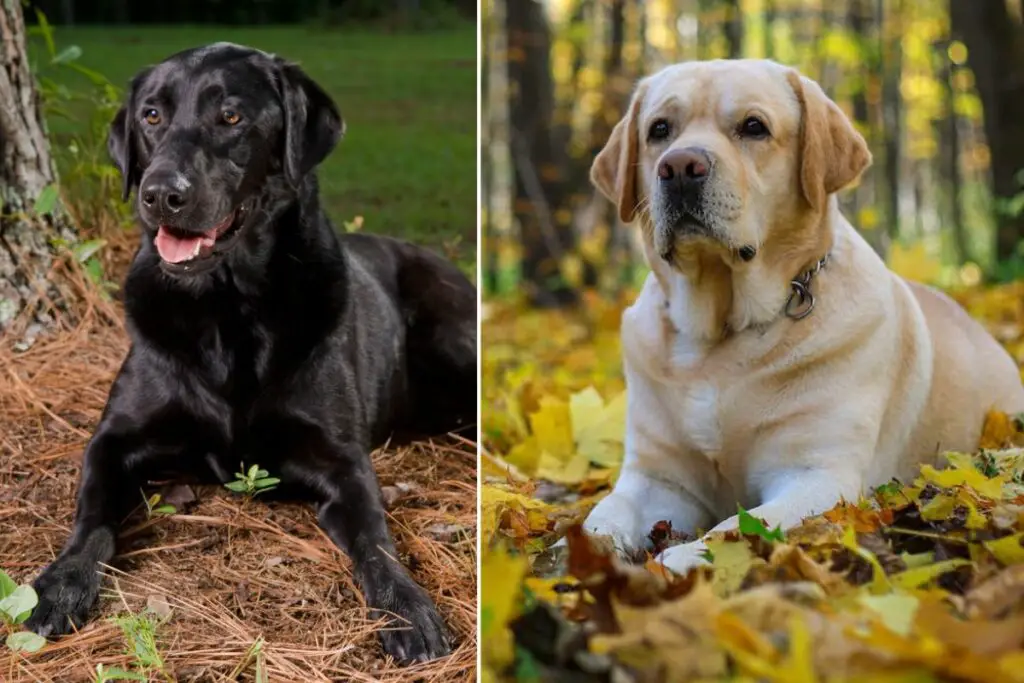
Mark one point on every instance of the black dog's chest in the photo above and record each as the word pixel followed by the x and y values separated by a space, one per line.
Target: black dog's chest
pixel 235 358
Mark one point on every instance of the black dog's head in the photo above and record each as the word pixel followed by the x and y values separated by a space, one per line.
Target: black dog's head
pixel 205 135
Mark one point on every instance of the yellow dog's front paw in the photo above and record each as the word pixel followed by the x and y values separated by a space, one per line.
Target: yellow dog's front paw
pixel 684 557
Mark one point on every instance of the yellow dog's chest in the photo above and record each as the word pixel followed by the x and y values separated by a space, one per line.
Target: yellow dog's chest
pixel 672 369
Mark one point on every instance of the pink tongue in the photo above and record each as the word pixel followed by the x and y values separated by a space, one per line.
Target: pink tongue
pixel 174 249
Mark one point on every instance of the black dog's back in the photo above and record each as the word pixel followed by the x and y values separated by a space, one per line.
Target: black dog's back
pixel 438 304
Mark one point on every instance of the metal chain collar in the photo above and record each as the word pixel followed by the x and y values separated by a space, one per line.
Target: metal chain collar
pixel 801 301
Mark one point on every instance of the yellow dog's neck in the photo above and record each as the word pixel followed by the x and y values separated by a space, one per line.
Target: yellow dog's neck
pixel 711 293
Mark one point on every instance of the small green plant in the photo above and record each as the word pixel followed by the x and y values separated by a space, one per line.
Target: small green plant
pixel 139 632
pixel 16 605
pixel 752 526
pixel 155 509
pixel 252 482
pixel 113 673
pixel 89 181
pixel 254 655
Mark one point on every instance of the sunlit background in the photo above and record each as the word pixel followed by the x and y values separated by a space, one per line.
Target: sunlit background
pixel 935 86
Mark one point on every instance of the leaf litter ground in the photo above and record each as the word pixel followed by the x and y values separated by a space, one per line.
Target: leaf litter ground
pixel 918 581
pixel 222 572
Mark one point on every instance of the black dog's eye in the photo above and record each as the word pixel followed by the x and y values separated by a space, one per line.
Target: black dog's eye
pixel 231 117
pixel 659 130
pixel 151 116
pixel 753 127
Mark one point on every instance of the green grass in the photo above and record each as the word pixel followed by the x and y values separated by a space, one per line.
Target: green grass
pixel 408 161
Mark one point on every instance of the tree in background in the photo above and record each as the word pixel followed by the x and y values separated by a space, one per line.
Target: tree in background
pixel 993 31
pixel 539 156
pixel 30 217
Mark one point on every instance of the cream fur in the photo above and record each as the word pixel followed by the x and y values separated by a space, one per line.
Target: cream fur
pixel 729 401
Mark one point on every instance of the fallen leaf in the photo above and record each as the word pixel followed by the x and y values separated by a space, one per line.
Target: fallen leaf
pixel 446 533
pixel 863 520
pixel 965 476
pixel 926 573
pixel 732 561
pixel 499 604
pixel 158 605
pixel 999 431
pixel 1008 550
pixel 895 610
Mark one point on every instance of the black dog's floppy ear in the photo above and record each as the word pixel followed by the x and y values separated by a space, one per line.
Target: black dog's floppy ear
pixel 122 149
pixel 121 138
pixel 312 123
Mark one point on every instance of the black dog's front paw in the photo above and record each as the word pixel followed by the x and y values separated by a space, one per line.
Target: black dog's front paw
pixel 414 632
pixel 66 590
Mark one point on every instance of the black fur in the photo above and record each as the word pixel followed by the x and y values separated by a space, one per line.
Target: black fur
pixel 289 346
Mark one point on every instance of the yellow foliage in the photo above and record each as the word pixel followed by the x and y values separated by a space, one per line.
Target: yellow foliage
pixel 831 603
pixel 499 598
pixel 914 263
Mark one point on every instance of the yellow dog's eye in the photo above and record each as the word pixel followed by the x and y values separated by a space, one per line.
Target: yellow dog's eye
pixel 753 127
pixel 151 116
pixel 231 117
pixel 659 130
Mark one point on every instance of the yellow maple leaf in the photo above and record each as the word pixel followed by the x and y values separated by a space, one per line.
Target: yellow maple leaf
pixel 798 664
pixel 999 430
pixel 494 501
pixel 499 603
pixel 943 506
pixel 895 610
pixel 924 574
pixel 552 428
pixel 563 471
pixel 525 456
pixel 1008 550
pixel 598 428
pixel 732 561
pixel 965 476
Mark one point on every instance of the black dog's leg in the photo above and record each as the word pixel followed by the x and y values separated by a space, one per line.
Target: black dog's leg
pixel 68 588
pixel 352 514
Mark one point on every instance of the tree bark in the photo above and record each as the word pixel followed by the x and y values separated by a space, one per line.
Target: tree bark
pixel 734 29
pixel 26 169
pixel 892 111
pixel 539 158
pixel 995 52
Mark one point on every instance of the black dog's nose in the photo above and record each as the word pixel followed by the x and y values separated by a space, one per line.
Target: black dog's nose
pixel 167 192
pixel 687 166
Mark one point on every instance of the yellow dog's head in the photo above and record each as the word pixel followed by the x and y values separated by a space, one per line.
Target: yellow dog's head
pixel 729 155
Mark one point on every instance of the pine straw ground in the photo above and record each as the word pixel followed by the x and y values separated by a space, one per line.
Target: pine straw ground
pixel 232 570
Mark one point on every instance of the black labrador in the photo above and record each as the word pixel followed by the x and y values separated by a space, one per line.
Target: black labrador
pixel 261 335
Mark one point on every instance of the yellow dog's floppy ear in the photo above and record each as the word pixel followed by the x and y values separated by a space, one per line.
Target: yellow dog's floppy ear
pixel 614 168
pixel 832 152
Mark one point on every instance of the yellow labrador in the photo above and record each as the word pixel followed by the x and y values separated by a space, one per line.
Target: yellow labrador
pixel 772 360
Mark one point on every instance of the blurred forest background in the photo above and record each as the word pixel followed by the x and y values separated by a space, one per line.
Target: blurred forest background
pixel 260 12
pixel 936 87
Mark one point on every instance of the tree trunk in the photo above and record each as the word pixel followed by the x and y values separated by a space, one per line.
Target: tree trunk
pixel 26 169
pixel 892 111
pixel 949 147
pixel 995 52
pixel 539 161
pixel 734 29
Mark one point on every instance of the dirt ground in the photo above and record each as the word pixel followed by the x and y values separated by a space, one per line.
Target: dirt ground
pixel 230 570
